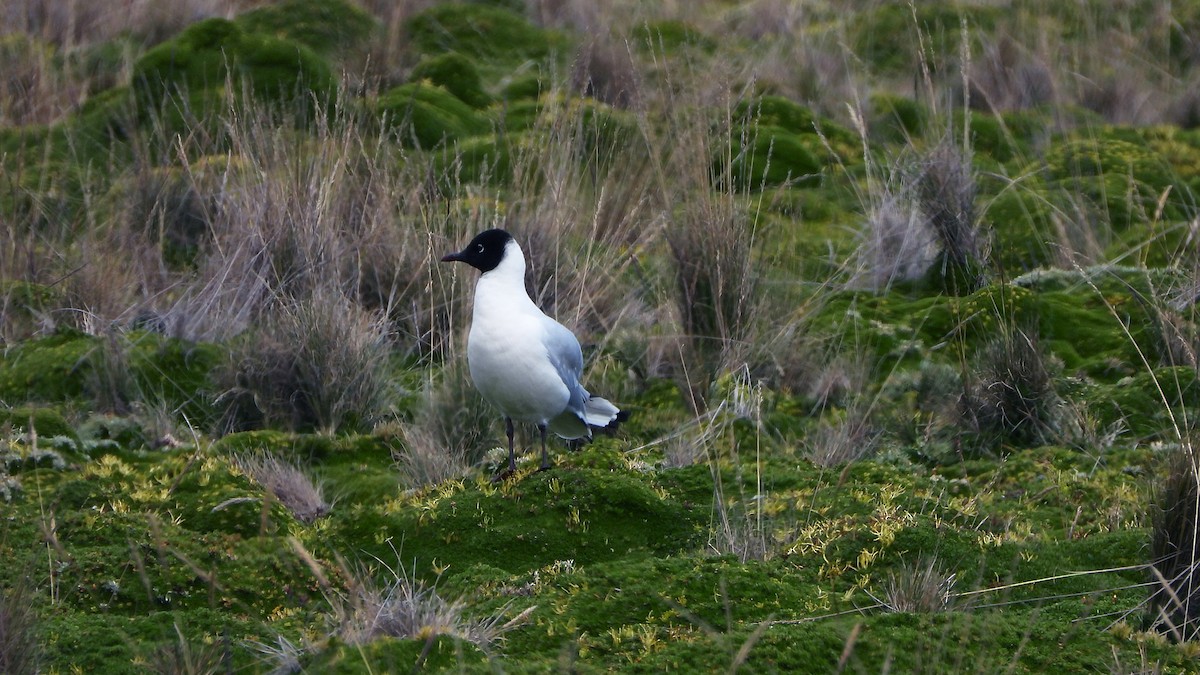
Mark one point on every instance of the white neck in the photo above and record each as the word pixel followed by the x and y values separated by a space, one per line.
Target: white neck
pixel 502 290
pixel 511 270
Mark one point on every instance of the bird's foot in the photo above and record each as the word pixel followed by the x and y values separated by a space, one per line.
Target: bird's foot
pixel 546 466
pixel 503 476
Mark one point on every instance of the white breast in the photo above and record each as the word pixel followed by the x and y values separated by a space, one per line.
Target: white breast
pixel 506 355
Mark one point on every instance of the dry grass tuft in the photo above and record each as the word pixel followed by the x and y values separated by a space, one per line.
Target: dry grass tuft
pixel 294 488
pixel 1008 76
pixel 407 608
pixel 20 651
pixel 923 587
pixel 604 69
pixel 1176 565
pixel 897 245
pixel 946 191
pixel 452 430
pixel 843 438
pixel 1013 398
pixel 711 239
pixel 319 363
pixel 183 656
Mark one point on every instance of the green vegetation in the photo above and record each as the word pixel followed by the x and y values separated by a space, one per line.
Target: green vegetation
pixel 902 301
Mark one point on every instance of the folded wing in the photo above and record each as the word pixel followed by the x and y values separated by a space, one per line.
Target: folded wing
pixel 583 410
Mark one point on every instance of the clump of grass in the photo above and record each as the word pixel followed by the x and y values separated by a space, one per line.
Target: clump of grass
pixel 741 525
pixel 322 363
pixel 1009 76
pixel 404 607
pixel 945 189
pixel 283 657
pixel 109 377
pixel 604 69
pixel 292 486
pixel 922 587
pixel 451 432
pixel 711 240
pixel 20 650
pixel 1013 398
pixel 896 245
pixel 183 656
pixel 739 531
pixel 841 439
pixel 1175 565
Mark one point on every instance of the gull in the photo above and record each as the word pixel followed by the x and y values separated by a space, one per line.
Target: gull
pixel 524 363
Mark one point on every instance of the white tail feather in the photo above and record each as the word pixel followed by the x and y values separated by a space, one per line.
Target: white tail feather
pixel 598 412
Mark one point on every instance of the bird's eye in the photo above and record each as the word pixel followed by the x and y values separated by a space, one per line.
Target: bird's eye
pixel 481 248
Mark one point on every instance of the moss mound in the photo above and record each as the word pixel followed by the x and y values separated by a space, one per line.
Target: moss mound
pixel 426 116
pixel 213 51
pixel 671 36
pixel 770 157
pixel 1122 180
pixel 46 422
pixel 480 31
pixel 324 26
pixel 117 370
pixel 583 514
pixel 456 74
pixel 889 36
pixel 777 142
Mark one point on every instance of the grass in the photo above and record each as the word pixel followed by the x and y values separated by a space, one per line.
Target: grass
pixel 288 483
pixel 899 298
pixel 20 647
pixel 1173 548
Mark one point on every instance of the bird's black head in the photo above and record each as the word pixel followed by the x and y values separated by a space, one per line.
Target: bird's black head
pixel 484 252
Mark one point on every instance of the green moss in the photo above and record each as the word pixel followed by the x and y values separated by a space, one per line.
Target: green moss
pixel 605 131
pixel 152 369
pixel 435 654
pixel 1022 221
pixel 777 142
pixel 1149 404
pixel 300 447
pixel 520 115
pixel 1154 244
pixel 426 116
pixel 525 87
pixel 215 50
pixel 602 131
pixel 587 515
pixel 48 369
pixel 1122 180
pixel 776 111
pixel 100 642
pixel 1005 138
pixel 890 37
pixel 895 119
pixel 671 36
pixel 769 157
pixel 175 372
pixel 325 26
pixel 455 73
pixel 47 422
pixel 484 159
pixel 480 31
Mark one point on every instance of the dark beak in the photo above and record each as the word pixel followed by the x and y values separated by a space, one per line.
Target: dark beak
pixel 452 257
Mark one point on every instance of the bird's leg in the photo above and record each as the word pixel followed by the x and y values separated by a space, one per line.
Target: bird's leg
pixel 512 460
pixel 545 458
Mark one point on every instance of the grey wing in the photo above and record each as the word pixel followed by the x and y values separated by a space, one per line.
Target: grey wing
pixel 567 358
